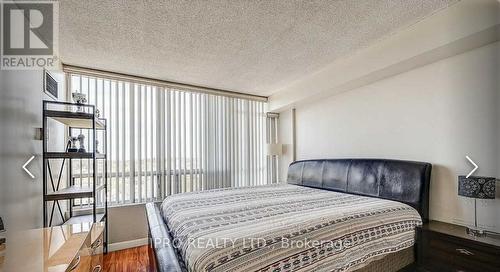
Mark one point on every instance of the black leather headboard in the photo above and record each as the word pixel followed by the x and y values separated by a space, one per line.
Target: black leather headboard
pixel 403 181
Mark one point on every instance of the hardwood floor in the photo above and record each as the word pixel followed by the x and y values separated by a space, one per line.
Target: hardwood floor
pixel 129 260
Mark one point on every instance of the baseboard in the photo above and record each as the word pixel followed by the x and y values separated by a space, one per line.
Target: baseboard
pixel 127 244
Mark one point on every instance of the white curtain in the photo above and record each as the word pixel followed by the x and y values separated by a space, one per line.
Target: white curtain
pixel 165 141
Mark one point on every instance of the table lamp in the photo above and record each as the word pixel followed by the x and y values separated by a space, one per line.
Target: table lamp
pixel 477 188
pixel 274 149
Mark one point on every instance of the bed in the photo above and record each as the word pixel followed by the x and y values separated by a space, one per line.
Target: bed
pixel 332 215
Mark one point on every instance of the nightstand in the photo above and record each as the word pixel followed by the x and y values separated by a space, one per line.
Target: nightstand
pixel 447 247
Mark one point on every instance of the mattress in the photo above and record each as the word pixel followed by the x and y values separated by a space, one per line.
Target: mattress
pixel 285 228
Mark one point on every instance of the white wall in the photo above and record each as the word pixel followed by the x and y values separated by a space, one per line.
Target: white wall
pixel 127 223
pixel 21 98
pixel 438 113
pixel 462 27
pixel 21 95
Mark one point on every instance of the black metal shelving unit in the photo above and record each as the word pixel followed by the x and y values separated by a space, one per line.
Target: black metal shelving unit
pixel 75 117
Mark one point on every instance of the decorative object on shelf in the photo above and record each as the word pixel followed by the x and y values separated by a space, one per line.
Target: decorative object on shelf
pixel 477 188
pixel 81 139
pixel 79 99
pixel 97 147
pixel 72 144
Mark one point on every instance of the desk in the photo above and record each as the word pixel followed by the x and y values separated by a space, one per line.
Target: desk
pixel 77 247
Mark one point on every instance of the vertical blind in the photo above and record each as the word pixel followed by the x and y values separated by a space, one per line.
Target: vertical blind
pixel 163 141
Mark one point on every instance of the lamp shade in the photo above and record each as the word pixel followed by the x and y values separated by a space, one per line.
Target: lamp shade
pixel 274 149
pixel 477 187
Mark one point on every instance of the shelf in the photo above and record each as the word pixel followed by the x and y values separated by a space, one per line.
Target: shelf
pixel 69 114
pixel 69 193
pixel 80 123
pixel 73 155
pixel 84 218
pixel 75 119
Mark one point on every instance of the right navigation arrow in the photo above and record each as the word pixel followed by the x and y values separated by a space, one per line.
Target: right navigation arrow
pixel 475 166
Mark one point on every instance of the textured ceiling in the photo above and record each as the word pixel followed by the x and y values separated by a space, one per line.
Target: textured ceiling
pixel 255 47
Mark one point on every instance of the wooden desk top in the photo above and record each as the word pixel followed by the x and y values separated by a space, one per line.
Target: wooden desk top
pixel 49 249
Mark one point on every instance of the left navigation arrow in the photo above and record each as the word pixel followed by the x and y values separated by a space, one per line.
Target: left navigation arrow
pixel 26 164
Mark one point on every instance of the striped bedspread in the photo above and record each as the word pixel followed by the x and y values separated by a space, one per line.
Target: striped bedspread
pixel 285 228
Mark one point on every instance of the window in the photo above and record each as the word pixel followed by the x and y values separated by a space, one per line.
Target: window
pixel 164 141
